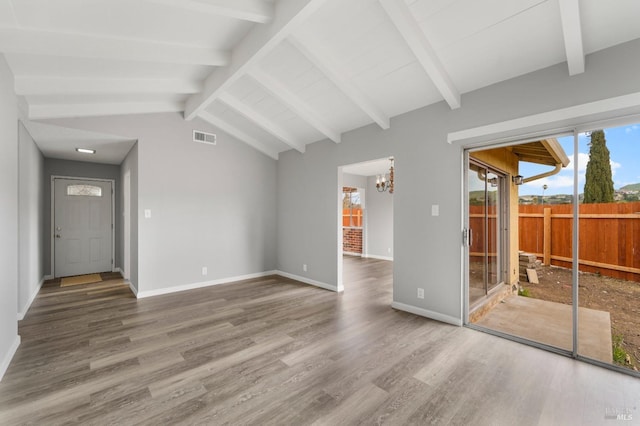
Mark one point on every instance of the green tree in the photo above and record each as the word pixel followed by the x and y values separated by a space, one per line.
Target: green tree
pixel 598 187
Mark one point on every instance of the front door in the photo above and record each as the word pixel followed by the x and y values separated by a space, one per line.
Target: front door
pixel 83 227
pixel 486 242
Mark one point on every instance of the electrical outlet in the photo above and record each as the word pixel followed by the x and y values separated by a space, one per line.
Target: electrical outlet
pixel 204 270
pixel 421 293
pixel 389 250
pixel 304 267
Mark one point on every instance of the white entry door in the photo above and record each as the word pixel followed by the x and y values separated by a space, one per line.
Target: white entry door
pixel 82 230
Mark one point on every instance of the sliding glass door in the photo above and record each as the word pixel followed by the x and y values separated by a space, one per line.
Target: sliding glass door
pixel 561 227
pixel 484 233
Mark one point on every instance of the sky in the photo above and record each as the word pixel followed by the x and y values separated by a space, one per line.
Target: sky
pixel 624 149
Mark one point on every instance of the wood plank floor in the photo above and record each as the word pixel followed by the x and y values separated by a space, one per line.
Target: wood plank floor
pixel 274 351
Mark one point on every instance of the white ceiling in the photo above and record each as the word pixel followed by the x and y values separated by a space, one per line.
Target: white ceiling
pixel 61 142
pixel 282 74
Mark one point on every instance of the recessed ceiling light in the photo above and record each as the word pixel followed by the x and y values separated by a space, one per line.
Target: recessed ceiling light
pixel 86 151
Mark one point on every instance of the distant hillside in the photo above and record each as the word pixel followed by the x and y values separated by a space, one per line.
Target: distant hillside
pixel 632 187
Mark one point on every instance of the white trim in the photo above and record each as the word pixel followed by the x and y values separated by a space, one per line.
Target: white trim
pixel 309 281
pixel 427 313
pixel 113 217
pixel 133 289
pixel 48 277
pixel 547 118
pixel 193 286
pixel 23 312
pixel 340 230
pixel 119 270
pixel 9 356
pixel 126 225
pixel 375 256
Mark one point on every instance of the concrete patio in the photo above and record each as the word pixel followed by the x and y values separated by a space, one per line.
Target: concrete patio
pixel 550 323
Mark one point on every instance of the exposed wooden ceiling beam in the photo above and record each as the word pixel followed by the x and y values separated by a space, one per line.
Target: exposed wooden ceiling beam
pixel 572 32
pixel 49 43
pixel 246 10
pixel 29 86
pixel 295 104
pixel 238 134
pixel 252 49
pixel 260 120
pixel 415 38
pixel 45 111
pixel 322 58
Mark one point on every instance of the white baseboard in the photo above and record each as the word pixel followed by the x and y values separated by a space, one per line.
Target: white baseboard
pixel 119 270
pixel 175 289
pixel 48 277
pixel 25 309
pixel 374 256
pixel 427 313
pixel 133 289
pixel 308 281
pixel 9 356
pixel 348 253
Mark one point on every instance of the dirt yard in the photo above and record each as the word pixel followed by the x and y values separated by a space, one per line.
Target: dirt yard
pixel 620 298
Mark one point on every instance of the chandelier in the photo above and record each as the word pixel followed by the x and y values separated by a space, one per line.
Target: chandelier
pixel 382 183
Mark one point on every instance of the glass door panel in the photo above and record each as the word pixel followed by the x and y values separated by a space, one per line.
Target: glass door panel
pixel 477 214
pixel 484 233
pixel 493 231
pixel 609 246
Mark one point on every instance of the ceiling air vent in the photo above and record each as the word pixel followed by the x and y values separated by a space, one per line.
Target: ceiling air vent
pixel 203 137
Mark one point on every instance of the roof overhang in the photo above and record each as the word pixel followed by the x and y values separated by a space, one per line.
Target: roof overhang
pixel 545 151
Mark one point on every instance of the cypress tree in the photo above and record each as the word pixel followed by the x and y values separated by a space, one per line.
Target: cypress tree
pixel 598 187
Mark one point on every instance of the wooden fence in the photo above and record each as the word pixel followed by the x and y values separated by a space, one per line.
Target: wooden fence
pixel 352 217
pixel 609 237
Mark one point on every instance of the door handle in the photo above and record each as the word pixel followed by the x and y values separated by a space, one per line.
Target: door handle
pixel 58 236
pixel 467 237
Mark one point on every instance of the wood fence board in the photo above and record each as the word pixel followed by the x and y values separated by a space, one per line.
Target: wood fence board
pixel 609 236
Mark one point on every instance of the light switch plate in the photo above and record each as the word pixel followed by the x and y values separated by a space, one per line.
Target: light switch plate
pixel 147 213
pixel 435 210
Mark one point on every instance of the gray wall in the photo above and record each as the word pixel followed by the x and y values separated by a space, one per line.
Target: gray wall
pixel 427 250
pixel 9 338
pixel 354 181
pixel 210 206
pixel 309 197
pixel 68 168
pixel 379 225
pixel 130 165
pixel 31 216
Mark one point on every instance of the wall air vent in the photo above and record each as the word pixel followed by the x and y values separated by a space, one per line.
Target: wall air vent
pixel 203 137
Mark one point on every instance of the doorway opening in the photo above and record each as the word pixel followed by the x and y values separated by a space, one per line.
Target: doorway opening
pixel 365 223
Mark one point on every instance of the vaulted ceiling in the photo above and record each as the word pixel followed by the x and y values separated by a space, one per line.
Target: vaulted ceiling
pixel 281 74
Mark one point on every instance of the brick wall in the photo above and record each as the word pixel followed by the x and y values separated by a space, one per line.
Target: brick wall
pixel 352 240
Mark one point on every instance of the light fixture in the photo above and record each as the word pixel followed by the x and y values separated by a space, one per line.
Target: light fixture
pixel 518 179
pixel 382 184
pixel 86 150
